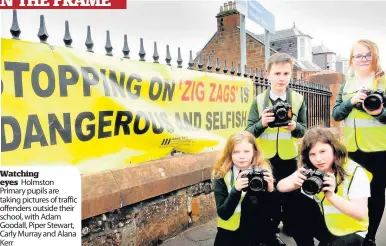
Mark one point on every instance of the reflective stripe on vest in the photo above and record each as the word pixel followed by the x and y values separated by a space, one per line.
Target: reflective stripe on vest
pixel 337 222
pixel 233 222
pixel 278 140
pixel 361 130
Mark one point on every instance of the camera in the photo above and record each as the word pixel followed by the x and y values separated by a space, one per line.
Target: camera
pixel 373 101
pixel 256 180
pixel 314 182
pixel 283 114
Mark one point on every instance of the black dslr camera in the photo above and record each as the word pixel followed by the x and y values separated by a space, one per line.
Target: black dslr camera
pixel 283 114
pixel 314 182
pixel 373 100
pixel 256 180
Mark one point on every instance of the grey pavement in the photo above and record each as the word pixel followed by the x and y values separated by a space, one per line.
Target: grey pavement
pixel 203 235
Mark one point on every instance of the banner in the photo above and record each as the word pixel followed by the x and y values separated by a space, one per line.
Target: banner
pixel 68 107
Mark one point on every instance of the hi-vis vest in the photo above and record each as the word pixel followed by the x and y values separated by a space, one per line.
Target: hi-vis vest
pixel 337 222
pixel 278 140
pixel 233 222
pixel 361 130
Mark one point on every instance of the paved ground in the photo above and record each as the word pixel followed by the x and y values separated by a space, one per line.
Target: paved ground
pixel 204 235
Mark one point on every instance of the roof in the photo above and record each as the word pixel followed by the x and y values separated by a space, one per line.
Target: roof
pixel 321 49
pixel 308 66
pixel 284 34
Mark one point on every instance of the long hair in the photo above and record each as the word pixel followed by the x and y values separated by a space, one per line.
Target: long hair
pixel 323 135
pixel 224 162
pixel 375 61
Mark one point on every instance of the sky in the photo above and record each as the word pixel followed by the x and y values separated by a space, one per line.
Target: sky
pixel 190 24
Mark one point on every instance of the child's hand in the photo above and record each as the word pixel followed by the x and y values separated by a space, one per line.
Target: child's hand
pixel 330 185
pixel 291 126
pixel 298 178
pixel 269 178
pixel 241 183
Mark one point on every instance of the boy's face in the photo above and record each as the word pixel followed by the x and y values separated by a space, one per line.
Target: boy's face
pixel 280 75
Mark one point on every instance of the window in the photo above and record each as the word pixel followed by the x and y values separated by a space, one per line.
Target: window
pixel 302 48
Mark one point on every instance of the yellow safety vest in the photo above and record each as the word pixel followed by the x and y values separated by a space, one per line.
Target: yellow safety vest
pixel 361 130
pixel 233 222
pixel 278 140
pixel 337 222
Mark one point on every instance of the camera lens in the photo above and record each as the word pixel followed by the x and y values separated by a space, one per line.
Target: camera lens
pixel 373 102
pixel 281 113
pixel 312 185
pixel 256 184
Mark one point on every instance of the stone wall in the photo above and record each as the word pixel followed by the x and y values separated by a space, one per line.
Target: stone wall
pixel 147 203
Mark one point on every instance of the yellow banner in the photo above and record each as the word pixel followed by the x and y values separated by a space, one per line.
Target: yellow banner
pixel 68 107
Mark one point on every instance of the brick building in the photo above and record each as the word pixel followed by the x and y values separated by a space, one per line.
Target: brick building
pixel 225 44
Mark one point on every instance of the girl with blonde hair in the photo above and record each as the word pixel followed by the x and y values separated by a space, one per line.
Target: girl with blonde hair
pixel 243 202
pixel 365 123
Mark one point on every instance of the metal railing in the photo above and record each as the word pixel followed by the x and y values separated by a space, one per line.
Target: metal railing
pixel 317 96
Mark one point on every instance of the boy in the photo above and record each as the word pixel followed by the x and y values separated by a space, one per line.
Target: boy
pixel 279 144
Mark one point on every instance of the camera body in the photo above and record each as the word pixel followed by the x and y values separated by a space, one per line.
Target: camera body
pixel 314 182
pixel 283 114
pixel 256 182
pixel 373 101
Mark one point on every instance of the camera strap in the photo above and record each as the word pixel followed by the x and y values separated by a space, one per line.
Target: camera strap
pixel 266 98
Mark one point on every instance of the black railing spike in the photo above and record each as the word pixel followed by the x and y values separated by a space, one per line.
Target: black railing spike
pixel 225 66
pixel 217 65
pixel 42 34
pixel 108 46
pixel 261 74
pixel 89 43
pixel 200 64
pixel 67 36
pixel 191 62
pixel 125 50
pixel 179 59
pixel 15 30
pixel 155 54
pixel 232 68
pixel 245 71
pixel 239 70
pixel 209 64
pixel 251 75
pixel 168 57
pixel 142 52
pixel 257 74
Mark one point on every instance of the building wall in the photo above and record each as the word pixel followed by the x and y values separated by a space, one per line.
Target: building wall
pixel 320 60
pixel 226 46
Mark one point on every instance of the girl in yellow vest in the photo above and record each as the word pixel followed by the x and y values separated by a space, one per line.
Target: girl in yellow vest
pixel 337 214
pixel 365 124
pixel 242 213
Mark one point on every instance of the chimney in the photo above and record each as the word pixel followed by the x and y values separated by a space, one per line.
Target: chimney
pixel 228 17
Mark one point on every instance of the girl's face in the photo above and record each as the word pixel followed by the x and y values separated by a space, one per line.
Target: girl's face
pixel 361 59
pixel 322 156
pixel 242 155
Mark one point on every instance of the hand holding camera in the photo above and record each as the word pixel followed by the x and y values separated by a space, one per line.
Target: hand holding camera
pixel 372 102
pixel 242 181
pixel 359 97
pixel 267 117
pixel 329 183
pixel 298 177
pixel 282 114
pixel 256 180
pixel 317 181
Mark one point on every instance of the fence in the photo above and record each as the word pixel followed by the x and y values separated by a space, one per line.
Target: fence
pixel 317 96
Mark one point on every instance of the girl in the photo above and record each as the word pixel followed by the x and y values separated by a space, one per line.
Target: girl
pixel 341 217
pixel 365 130
pixel 242 216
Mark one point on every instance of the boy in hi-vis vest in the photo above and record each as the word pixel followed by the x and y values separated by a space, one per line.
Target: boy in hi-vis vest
pixel 279 144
